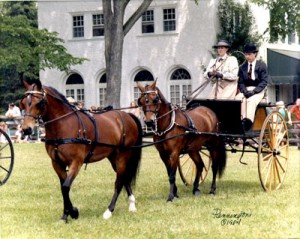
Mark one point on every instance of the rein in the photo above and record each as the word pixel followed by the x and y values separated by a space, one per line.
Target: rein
pixel 60 117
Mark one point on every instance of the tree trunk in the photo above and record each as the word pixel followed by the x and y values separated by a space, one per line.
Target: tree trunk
pixel 114 39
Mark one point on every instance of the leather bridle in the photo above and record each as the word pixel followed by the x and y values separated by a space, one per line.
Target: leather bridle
pixel 41 103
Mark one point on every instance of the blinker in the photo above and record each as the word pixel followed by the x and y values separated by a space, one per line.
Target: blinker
pixel 29 99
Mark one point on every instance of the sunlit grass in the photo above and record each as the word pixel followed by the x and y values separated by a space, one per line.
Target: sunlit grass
pixel 31 202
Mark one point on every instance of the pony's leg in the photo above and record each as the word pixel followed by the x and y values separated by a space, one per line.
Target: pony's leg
pixel 172 168
pixel 131 198
pixel 68 206
pixel 66 180
pixel 218 156
pixel 213 184
pixel 118 188
pixel 199 166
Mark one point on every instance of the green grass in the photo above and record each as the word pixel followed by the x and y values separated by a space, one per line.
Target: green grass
pixel 31 202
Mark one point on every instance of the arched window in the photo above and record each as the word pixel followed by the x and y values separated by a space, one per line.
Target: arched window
pixel 143 75
pixel 180 84
pixel 146 77
pixel 102 85
pixel 75 87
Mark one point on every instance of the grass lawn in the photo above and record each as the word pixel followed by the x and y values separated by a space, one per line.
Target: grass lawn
pixel 31 202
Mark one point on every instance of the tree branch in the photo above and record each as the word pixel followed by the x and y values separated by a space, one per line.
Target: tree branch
pixel 136 15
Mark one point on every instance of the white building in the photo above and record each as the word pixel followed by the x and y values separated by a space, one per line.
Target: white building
pixel 171 43
pixel 181 41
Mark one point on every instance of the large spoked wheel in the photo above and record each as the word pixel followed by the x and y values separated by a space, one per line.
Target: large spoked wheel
pixel 6 157
pixel 187 168
pixel 273 152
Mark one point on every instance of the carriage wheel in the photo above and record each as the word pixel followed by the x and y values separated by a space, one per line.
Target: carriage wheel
pixel 187 168
pixel 273 152
pixel 6 158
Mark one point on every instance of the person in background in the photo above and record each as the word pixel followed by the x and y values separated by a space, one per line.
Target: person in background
pixel 4 127
pixel 13 111
pixel 280 107
pixel 20 137
pixel 224 69
pixel 295 112
pixel 253 79
pixel 134 109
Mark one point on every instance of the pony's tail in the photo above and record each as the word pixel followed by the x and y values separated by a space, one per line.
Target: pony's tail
pixel 222 156
pixel 134 165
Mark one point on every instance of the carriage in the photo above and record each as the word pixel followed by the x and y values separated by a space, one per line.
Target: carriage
pixel 268 138
pixel 6 157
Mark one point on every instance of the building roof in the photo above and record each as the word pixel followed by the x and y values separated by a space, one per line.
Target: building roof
pixel 283 66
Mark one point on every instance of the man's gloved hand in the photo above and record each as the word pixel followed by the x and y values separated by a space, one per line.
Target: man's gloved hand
pixel 219 75
pixel 210 74
pixel 248 94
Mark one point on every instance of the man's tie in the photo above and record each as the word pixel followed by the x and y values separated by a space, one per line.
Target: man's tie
pixel 220 59
pixel 250 72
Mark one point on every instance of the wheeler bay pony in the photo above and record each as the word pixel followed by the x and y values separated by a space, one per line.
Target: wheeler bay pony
pixel 177 131
pixel 75 136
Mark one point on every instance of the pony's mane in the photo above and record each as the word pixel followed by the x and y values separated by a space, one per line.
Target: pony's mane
pixel 161 96
pixel 59 95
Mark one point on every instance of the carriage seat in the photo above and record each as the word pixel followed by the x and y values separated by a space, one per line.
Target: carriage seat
pixel 227 111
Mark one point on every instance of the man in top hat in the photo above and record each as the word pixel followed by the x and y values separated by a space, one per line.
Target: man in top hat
pixel 223 72
pixel 253 79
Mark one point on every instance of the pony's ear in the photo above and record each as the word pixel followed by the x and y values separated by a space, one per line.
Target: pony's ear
pixel 142 88
pixel 38 84
pixel 153 85
pixel 26 84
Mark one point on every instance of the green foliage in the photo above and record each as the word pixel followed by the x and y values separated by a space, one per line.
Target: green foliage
pixel 237 26
pixel 25 8
pixel 25 49
pixel 30 49
pixel 284 17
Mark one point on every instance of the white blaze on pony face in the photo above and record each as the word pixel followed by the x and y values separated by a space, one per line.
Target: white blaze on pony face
pixel 31 106
pixel 149 101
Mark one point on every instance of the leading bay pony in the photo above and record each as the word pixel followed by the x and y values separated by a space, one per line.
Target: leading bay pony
pixel 170 124
pixel 74 137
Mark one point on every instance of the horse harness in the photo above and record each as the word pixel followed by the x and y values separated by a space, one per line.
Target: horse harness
pixel 190 128
pixel 78 140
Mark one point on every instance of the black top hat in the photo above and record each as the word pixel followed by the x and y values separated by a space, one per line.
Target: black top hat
pixel 250 48
pixel 222 43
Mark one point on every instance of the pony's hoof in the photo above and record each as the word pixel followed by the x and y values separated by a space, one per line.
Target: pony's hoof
pixel 132 208
pixel 170 199
pixel 107 214
pixel 64 218
pixel 197 193
pixel 212 194
pixel 74 213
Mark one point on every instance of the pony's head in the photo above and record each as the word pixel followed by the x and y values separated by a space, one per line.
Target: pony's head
pixel 150 102
pixel 33 105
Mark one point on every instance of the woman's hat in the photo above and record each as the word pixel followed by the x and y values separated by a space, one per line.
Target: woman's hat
pixel 280 103
pixel 71 99
pixel 250 48
pixel 222 43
